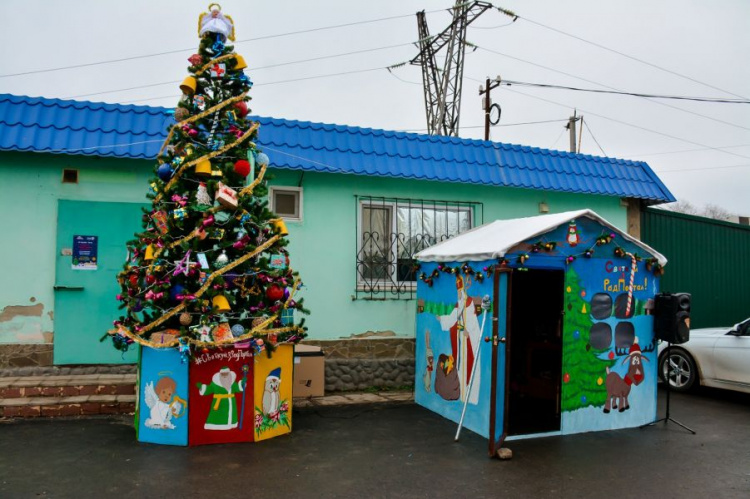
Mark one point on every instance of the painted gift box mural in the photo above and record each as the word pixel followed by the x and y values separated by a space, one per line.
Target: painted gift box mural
pixel 221 395
pixel 539 325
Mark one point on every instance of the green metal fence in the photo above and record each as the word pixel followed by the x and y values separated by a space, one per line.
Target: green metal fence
pixel 707 258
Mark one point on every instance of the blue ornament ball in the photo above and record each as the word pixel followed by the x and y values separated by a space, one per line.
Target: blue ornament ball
pixel 238 330
pixel 174 291
pixel 583 398
pixel 577 334
pixel 262 159
pixel 164 172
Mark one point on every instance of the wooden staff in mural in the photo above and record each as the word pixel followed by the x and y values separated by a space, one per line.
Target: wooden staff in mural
pixel 465 334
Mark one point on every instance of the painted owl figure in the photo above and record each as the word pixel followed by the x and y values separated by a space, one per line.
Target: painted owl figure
pixel 573 238
pixel 271 392
pixel 214 21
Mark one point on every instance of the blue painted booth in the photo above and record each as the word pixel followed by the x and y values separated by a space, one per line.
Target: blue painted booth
pixel 539 325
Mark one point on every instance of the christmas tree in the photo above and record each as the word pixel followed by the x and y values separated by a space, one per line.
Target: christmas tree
pixel 210 267
pixel 583 370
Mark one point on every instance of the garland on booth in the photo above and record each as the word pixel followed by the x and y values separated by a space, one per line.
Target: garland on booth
pixel 652 264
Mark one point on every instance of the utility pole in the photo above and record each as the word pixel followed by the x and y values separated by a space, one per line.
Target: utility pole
pixel 571 126
pixel 488 105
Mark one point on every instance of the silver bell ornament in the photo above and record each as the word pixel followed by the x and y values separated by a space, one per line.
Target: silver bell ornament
pixel 221 260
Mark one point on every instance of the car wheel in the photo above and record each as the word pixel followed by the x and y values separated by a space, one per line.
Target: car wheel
pixel 680 370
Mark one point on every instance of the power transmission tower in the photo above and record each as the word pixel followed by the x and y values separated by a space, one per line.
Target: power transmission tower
pixel 442 87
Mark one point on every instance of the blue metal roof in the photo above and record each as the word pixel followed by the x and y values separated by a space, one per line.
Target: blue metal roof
pixel 127 131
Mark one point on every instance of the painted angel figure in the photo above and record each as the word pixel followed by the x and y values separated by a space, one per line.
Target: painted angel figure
pixel 214 21
pixel 159 401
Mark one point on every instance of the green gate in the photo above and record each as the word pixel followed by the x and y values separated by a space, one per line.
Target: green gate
pixel 708 258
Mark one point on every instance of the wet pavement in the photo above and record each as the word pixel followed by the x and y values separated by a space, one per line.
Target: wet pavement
pixel 388 450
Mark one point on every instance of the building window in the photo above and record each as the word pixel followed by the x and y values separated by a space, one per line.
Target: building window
pixel 391 231
pixel 286 202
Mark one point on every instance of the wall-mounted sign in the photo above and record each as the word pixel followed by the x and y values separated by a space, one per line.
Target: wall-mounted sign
pixel 85 252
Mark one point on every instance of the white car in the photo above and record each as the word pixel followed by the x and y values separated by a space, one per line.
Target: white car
pixel 716 357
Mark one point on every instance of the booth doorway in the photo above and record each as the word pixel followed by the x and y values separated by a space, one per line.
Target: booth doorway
pixel 535 351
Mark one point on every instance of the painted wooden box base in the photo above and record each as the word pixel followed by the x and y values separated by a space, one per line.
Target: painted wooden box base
pixel 222 395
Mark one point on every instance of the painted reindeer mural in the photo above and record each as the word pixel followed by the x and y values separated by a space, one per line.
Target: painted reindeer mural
pixel 618 388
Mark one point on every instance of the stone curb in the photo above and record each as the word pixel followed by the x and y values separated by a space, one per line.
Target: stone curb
pixel 69 380
pixel 345 398
pixel 78 399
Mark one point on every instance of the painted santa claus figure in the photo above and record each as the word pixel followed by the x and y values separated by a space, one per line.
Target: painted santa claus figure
pixel 465 335
pixel 223 387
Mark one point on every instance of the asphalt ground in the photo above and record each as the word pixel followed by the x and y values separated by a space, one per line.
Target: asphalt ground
pixel 388 450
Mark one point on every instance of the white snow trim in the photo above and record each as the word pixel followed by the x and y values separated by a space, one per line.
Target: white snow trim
pixel 228 426
pixel 492 240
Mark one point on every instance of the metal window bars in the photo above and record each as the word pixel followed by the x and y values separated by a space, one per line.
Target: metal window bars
pixel 390 231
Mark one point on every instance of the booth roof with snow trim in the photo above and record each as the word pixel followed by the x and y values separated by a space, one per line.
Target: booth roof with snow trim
pixel 538 325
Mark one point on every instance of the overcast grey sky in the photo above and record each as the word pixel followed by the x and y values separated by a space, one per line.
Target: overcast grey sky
pixel 694 147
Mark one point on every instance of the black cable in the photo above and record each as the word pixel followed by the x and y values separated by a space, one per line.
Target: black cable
pixel 290 33
pixel 630 57
pixel 585 123
pixel 665 104
pixel 632 94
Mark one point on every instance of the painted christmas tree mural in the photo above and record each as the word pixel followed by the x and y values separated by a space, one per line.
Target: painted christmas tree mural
pixel 211 266
pixel 583 371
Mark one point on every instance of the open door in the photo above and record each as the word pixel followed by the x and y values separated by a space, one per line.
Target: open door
pixel 534 364
pixel 500 349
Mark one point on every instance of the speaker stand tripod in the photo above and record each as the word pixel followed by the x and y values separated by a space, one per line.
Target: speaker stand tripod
pixel 666 417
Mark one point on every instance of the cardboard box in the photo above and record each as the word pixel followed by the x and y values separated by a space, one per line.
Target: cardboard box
pixel 309 371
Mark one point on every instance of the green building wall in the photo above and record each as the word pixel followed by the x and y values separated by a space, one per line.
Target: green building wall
pixel 322 245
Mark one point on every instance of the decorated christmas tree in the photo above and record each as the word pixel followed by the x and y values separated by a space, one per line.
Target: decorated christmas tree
pixel 583 370
pixel 210 267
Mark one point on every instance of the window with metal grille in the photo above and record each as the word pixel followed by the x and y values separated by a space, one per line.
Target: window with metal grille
pixel 390 231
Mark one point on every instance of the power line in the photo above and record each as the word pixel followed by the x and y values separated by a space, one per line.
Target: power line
pixel 299 61
pixel 632 94
pixel 586 124
pixel 704 168
pixel 497 126
pixel 688 150
pixel 630 57
pixel 665 104
pixel 630 124
pixel 266 37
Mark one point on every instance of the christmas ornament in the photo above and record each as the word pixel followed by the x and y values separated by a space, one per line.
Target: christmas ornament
pixel 251 160
pixel 133 279
pixel 221 260
pixel 150 279
pixel 199 101
pixel 280 227
pixel 242 167
pixel 203 168
pixel 240 63
pixel 222 332
pixel 160 221
pixel 216 22
pixel 149 253
pixel 274 292
pixel 262 159
pixel 183 265
pixel 258 321
pixel 164 172
pixel 214 126
pixel 238 330
pixel 573 237
pixel 189 85
pixel 218 70
pixel 220 304
pixel 185 319
pixel 226 196
pixel 175 291
pixel 179 213
pixel 181 113
pixel 195 60
pixel 566 378
pixel 241 108
pixel 202 197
